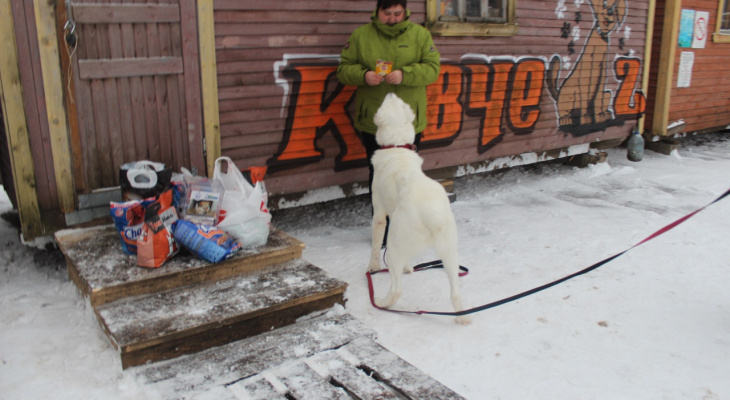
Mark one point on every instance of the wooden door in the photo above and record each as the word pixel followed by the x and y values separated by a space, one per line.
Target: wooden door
pixel 137 87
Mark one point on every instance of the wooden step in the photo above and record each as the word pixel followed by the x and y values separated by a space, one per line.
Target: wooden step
pixel 189 319
pixel 104 273
pixel 324 357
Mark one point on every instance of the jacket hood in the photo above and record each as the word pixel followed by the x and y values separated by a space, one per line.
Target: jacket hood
pixel 394 30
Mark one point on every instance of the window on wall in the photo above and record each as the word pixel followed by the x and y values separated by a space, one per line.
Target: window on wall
pixel 472 17
pixel 722 27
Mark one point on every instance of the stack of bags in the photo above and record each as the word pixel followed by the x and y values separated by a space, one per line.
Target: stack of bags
pixel 213 218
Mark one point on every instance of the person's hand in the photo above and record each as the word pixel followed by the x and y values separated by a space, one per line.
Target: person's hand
pixel 394 78
pixel 373 79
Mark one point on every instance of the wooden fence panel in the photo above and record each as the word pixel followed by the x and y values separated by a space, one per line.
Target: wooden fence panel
pixel 137 85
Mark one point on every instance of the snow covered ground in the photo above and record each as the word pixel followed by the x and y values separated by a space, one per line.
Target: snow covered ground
pixel 652 324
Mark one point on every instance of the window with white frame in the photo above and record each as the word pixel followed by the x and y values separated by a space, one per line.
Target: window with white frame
pixel 471 17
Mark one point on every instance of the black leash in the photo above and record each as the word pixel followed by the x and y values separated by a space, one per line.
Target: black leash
pixel 439 264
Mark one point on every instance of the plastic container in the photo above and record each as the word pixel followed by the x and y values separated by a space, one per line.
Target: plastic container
pixel 635 146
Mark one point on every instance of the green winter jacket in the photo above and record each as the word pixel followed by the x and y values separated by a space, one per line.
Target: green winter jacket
pixel 409 47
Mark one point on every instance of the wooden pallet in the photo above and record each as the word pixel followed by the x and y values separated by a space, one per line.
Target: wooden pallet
pixel 104 273
pixel 321 358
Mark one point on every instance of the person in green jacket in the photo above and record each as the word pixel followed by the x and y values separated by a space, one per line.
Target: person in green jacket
pixel 388 55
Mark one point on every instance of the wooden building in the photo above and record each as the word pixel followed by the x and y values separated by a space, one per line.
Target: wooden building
pixel 89 85
pixel 688 83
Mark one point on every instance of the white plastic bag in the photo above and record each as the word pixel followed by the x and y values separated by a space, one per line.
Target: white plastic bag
pixel 246 217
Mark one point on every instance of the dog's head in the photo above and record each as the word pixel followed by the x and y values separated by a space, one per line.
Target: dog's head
pixel 394 120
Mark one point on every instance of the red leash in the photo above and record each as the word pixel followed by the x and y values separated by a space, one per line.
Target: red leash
pixel 438 264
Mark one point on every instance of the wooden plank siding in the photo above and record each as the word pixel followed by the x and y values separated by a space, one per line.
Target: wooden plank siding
pixel 34 101
pixel 14 102
pixel 705 104
pixel 263 101
pixel 137 88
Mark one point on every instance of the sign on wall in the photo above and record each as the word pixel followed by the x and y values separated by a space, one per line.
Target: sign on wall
pixel 684 75
pixel 699 37
pixel 686 27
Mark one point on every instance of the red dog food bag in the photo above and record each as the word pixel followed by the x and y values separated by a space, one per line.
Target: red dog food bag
pixel 156 243
pixel 128 219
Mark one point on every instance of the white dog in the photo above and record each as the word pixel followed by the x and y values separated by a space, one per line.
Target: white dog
pixel 418 207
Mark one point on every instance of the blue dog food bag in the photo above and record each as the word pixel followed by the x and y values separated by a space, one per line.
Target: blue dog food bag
pixel 205 241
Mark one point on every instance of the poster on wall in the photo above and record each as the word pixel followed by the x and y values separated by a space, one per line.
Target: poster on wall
pixel 686 61
pixel 686 27
pixel 700 29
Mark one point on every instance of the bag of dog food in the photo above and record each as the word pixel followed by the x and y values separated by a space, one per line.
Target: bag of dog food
pixel 128 218
pixel 205 241
pixel 156 243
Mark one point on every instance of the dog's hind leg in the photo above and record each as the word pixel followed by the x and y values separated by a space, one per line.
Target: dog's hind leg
pixel 395 261
pixel 378 226
pixel 450 258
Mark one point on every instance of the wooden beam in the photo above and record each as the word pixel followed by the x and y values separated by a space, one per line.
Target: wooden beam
pixel 646 73
pixel 124 13
pixel 45 17
pixel 126 67
pixel 193 100
pixel 668 51
pixel 209 84
pixel 21 159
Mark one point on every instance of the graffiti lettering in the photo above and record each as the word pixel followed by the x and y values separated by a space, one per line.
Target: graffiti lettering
pixel 444 107
pixel 629 102
pixel 504 94
pixel 314 111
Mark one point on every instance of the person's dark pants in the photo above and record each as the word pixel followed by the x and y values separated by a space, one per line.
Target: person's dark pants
pixel 368 140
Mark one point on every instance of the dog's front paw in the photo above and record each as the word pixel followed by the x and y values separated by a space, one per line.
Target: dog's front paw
pixel 463 320
pixel 408 269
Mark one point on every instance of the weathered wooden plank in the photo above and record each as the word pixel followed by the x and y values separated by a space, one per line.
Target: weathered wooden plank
pixel 126 67
pixel 226 331
pixel 85 13
pixel 232 363
pixel 16 127
pixel 209 83
pixel 34 98
pixel 145 321
pixel 304 384
pixel 104 273
pixel 257 388
pixel 348 376
pixel 396 372
pixel 193 101
pixel 114 89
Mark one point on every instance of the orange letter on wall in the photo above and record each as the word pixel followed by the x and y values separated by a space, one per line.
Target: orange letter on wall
pixel 312 113
pixel 444 109
pixel 487 92
pixel 524 103
pixel 627 72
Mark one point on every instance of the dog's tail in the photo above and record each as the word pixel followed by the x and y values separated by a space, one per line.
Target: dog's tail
pixel 551 77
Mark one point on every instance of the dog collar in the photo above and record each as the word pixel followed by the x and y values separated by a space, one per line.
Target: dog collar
pixel 402 146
